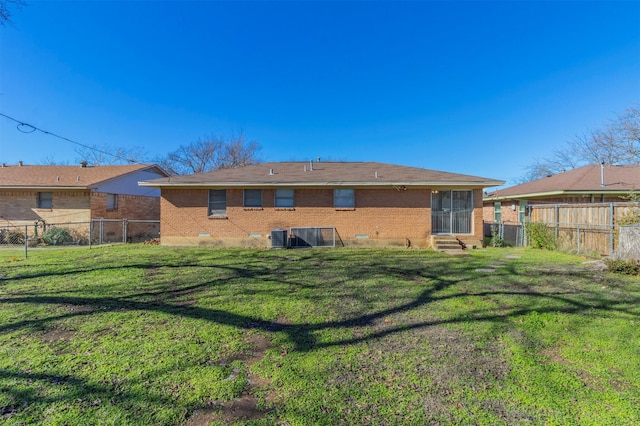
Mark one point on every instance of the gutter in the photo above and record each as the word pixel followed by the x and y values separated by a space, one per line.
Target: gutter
pixel 47 188
pixel 440 184
pixel 554 193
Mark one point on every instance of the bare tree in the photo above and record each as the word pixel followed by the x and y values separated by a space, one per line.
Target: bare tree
pixel 50 160
pixel 211 153
pixel 238 152
pixel 628 126
pixel 617 143
pixel 5 9
pixel 108 155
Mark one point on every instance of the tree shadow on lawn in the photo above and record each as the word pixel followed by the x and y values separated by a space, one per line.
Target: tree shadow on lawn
pixel 440 282
pixel 36 388
pixel 301 334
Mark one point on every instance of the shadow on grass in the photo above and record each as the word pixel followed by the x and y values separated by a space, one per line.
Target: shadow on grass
pixel 441 280
pixel 73 388
pixel 301 334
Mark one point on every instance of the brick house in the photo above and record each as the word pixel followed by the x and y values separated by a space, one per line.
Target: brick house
pixel 365 203
pixel 76 194
pixel 585 185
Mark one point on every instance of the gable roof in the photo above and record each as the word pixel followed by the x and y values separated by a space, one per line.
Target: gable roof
pixel 292 174
pixel 65 177
pixel 583 180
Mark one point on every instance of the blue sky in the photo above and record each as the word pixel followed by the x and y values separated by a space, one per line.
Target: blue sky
pixel 480 88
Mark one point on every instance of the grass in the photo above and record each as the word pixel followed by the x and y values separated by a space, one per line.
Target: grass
pixel 165 336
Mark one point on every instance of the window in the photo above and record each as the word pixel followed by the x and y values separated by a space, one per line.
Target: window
pixel 497 206
pixel 112 202
pixel 45 200
pixel 522 206
pixel 253 197
pixel 343 198
pixel 284 198
pixel 217 202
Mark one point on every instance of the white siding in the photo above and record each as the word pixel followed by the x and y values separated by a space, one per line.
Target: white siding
pixel 128 184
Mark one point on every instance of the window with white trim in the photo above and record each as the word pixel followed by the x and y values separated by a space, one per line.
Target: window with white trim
pixel 344 198
pixel 217 202
pixel 284 198
pixel 252 198
pixel 497 207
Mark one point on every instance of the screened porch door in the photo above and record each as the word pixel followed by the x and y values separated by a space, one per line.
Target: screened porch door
pixel 451 212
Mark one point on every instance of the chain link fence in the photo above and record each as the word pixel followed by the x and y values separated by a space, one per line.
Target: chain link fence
pixel 95 232
pixel 512 235
pixel 573 237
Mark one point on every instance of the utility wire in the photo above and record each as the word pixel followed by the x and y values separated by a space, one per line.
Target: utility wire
pixel 29 128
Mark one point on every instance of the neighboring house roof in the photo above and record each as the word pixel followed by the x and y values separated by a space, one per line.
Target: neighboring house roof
pixel 66 177
pixel 593 179
pixel 292 174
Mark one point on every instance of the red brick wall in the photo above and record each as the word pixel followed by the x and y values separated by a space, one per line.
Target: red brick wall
pixel 132 207
pixel 507 213
pixel 386 216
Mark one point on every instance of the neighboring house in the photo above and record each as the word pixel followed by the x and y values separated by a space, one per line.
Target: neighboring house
pixel 76 194
pixel 588 184
pixel 365 203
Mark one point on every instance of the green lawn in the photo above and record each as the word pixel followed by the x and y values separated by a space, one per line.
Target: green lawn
pixel 165 336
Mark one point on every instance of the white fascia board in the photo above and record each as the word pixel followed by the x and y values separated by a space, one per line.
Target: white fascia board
pixel 553 194
pixel 45 188
pixel 321 184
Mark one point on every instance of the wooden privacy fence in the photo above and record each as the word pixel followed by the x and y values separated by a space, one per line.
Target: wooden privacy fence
pixel 584 228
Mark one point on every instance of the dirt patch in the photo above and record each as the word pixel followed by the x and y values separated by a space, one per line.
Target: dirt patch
pixel 244 407
pixel 448 357
pixel 57 334
pixel 240 409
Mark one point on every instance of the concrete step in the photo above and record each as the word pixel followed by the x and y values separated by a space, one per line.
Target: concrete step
pixel 445 243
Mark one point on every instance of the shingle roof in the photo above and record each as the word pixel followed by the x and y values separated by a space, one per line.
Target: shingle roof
pixel 63 176
pixel 584 179
pixel 324 174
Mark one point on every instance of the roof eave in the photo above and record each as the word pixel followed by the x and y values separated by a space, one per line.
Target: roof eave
pixel 555 193
pixel 45 188
pixel 425 184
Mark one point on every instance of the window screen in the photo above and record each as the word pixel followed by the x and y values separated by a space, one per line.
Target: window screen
pixel 253 198
pixel 45 200
pixel 112 202
pixel 343 198
pixel 284 198
pixel 217 202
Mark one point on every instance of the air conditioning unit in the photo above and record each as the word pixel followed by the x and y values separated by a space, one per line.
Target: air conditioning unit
pixel 279 238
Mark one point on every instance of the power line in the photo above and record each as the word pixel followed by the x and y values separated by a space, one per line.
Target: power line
pixel 29 128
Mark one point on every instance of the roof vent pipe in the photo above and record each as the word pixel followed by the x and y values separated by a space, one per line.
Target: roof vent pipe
pixel 602 175
pixel 311 165
pixel 375 174
pixel 270 172
pixel 20 163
